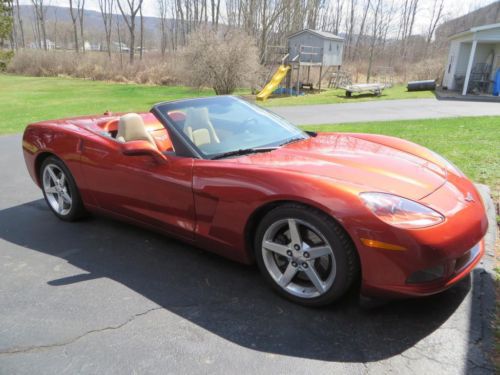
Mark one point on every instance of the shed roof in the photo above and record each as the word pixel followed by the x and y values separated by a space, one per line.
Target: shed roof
pixel 473 30
pixel 320 33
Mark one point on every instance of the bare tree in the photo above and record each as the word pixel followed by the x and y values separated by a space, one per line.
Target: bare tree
pixel 40 10
pixel 180 13
pixel 74 18
pixel 163 12
pixel 106 8
pixel 408 13
pixel 375 29
pixel 361 30
pixel 142 32
pixel 268 17
pixel 133 8
pixel 20 23
pixel 217 59
pixel 339 6
pixel 215 4
pixel 80 5
pixel 437 14
pixel 120 41
pixel 352 12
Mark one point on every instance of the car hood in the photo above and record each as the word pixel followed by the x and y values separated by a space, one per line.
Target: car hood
pixel 374 166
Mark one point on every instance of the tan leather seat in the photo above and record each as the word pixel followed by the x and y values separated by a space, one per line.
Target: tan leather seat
pixel 131 128
pixel 198 127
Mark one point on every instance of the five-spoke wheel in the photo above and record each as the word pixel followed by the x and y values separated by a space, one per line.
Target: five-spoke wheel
pixel 59 189
pixel 298 257
pixel 56 189
pixel 305 254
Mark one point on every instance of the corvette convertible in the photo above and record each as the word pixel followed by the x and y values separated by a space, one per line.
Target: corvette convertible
pixel 318 212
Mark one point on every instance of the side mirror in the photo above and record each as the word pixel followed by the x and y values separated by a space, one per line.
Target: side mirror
pixel 138 148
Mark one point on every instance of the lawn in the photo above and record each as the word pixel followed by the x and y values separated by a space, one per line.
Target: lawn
pixel 471 143
pixel 330 96
pixel 28 99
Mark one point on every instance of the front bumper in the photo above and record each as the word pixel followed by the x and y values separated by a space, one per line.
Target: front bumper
pixel 454 271
pixel 453 247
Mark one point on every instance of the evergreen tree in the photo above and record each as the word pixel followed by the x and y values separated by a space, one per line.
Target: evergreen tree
pixel 6 20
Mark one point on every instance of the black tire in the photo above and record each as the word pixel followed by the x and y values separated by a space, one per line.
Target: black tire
pixel 76 210
pixel 344 252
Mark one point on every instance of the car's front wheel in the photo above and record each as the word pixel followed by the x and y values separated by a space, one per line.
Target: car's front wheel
pixel 305 255
pixel 60 190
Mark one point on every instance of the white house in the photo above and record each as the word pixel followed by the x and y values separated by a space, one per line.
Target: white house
pixel 473 59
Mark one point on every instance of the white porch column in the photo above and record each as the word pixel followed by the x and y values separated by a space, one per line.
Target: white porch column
pixel 469 67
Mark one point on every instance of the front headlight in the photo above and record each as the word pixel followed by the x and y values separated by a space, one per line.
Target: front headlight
pixel 400 212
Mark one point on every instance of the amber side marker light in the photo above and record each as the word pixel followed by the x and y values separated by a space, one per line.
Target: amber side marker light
pixel 382 245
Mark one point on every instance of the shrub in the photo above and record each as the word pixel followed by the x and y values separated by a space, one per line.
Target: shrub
pixel 153 69
pixel 5 57
pixel 223 60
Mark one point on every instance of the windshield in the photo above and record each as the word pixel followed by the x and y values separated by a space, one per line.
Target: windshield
pixel 225 124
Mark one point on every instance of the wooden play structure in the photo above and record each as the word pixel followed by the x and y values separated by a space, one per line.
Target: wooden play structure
pixel 306 50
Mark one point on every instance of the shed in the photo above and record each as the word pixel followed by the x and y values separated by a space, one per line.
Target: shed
pixel 473 59
pixel 315 47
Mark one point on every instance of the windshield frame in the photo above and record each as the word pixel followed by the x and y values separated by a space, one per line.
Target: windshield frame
pixel 186 147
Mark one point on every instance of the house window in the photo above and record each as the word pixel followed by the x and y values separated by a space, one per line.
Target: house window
pixel 330 46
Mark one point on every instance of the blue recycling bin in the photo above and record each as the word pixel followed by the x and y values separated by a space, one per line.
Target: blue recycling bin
pixel 496 84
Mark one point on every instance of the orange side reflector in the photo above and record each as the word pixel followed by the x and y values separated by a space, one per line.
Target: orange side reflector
pixel 382 245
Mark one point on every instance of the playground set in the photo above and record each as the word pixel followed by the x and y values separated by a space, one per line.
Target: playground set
pixel 306 50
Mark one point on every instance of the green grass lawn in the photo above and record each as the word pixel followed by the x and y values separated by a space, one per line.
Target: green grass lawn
pixel 28 99
pixel 471 143
pixel 330 96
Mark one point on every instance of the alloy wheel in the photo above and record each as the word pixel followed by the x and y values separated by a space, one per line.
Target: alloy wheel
pixel 299 258
pixel 55 186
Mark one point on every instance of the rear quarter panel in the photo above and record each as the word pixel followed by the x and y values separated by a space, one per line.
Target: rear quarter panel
pixel 58 138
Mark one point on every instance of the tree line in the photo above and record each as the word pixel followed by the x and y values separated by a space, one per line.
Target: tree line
pixel 373 29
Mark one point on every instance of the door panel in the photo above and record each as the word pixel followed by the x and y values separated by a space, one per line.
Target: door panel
pixel 139 187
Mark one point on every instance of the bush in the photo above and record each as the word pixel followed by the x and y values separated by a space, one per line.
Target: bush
pixel 153 69
pixel 5 57
pixel 223 60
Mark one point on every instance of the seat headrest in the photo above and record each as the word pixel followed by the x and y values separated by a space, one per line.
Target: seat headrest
pixel 197 118
pixel 131 128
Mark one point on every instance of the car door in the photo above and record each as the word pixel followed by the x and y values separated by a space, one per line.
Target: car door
pixel 138 187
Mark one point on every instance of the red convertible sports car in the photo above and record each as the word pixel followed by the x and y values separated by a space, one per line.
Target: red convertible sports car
pixel 315 211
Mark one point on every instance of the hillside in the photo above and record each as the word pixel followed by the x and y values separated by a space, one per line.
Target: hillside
pixel 93 20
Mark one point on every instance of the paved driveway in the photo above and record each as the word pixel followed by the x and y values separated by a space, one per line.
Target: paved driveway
pixel 104 297
pixel 385 110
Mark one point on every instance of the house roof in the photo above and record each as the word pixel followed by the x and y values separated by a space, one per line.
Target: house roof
pixel 320 33
pixel 476 29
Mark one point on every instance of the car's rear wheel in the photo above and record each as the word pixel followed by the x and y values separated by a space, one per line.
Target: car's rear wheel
pixel 305 255
pixel 60 190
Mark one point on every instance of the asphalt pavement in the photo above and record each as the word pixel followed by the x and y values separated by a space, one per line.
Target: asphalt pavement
pixel 385 110
pixel 100 296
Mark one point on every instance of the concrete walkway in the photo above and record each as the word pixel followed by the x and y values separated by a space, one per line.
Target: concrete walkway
pixel 385 110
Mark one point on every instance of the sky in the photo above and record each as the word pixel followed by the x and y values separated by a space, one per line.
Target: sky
pixel 454 8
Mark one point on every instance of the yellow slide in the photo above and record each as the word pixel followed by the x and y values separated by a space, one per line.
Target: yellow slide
pixel 274 82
